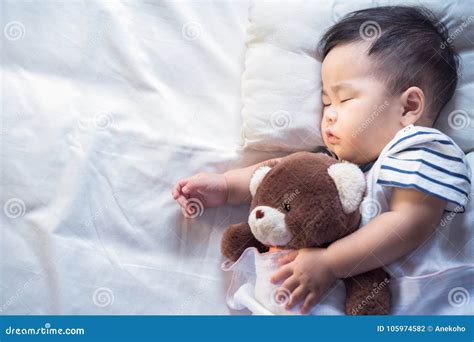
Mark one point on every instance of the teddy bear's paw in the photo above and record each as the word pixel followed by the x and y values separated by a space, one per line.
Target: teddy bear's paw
pixel 367 307
pixel 236 239
pixel 368 294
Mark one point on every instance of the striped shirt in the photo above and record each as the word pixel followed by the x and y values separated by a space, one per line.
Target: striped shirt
pixel 429 161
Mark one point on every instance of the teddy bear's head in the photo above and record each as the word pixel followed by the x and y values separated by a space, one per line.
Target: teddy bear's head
pixel 306 200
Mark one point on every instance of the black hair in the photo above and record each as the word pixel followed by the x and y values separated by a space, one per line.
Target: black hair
pixel 410 47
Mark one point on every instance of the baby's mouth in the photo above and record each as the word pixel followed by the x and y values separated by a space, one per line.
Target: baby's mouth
pixel 330 137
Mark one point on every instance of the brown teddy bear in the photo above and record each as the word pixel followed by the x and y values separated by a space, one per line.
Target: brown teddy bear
pixel 309 200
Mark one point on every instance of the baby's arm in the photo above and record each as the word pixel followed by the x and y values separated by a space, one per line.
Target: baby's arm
pixel 412 218
pixel 308 273
pixel 238 181
pixel 214 189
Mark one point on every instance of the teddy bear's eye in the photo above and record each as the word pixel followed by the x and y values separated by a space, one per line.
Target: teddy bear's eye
pixel 286 206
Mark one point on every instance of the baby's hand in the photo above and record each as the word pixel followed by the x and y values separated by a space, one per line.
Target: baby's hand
pixel 308 276
pixel 210 189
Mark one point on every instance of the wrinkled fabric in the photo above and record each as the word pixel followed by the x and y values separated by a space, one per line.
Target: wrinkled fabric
pixel 105 105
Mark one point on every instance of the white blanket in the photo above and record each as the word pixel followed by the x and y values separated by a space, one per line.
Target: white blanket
pixel 105 105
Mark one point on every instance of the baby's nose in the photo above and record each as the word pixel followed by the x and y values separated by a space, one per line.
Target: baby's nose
pixel 259 214
pixel 331 115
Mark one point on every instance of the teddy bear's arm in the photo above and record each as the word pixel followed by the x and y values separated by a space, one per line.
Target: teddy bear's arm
pixel 237 238
pixel 368 293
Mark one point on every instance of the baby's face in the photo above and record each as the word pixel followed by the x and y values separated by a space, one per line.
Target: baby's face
pixel 360 116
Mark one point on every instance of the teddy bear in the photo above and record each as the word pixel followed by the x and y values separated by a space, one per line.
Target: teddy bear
pixel 307 200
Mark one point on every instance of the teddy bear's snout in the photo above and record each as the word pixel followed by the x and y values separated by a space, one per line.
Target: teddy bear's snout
pixel 268 226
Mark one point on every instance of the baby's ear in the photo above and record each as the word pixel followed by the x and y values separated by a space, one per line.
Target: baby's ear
pixel 350 184
pixel 257 178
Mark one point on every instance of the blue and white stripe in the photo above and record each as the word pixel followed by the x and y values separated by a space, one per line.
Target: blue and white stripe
pixel 429 161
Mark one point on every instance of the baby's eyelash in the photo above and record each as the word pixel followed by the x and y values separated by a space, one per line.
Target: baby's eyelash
pixel 328 104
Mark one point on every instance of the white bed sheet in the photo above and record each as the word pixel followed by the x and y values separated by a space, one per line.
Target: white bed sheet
pixel 104 106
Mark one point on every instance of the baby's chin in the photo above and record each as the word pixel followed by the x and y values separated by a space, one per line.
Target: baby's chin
pixel 350 155
pixel 345 154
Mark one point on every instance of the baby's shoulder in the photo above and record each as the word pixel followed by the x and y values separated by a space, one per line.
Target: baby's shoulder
pixel 426 142
pixel 427 160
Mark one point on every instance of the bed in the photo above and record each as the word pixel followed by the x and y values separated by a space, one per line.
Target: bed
pixel 104 106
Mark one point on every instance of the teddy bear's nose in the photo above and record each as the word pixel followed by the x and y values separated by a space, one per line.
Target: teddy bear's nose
pixel 259 214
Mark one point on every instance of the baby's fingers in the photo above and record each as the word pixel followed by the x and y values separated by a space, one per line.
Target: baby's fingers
pixel 282 273
pixel 309 303
pixel 287 258
pixel 189 188
pixel 182 201
pixel 177 188
pixel 296 296
pixel 186 207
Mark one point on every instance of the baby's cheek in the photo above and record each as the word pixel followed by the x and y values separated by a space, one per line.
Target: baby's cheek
pixel 351 135
pixel 323 125
pixel 355 146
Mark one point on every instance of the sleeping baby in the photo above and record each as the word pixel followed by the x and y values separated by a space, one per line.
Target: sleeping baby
pixel 381 96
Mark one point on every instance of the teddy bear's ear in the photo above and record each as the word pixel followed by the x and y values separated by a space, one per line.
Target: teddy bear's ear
pixel 257 178
pixel 350 184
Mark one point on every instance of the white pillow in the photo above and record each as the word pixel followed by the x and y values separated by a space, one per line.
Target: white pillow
pixel 281 82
